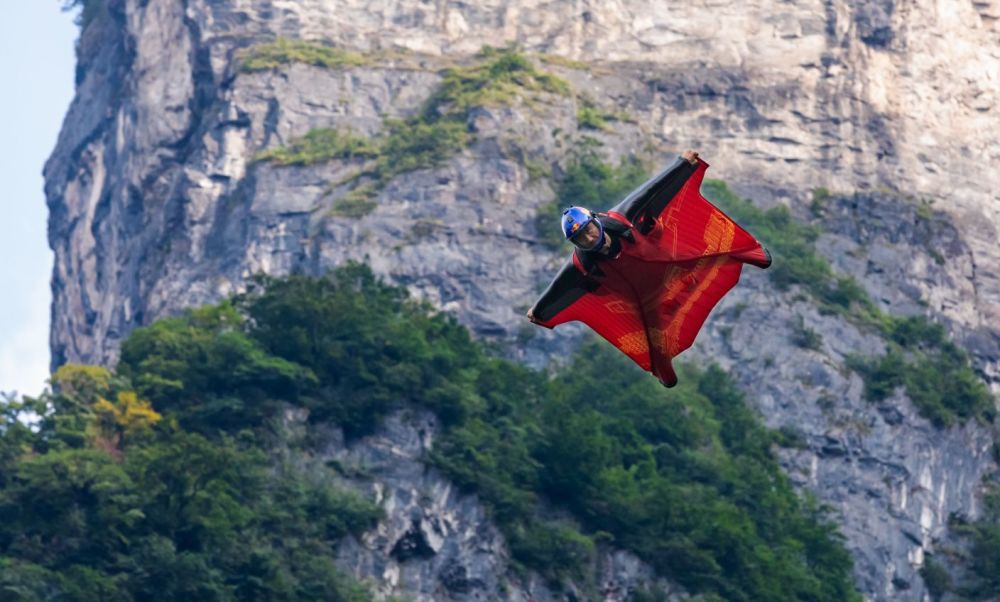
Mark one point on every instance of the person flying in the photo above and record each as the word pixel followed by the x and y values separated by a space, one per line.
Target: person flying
pixel 645 274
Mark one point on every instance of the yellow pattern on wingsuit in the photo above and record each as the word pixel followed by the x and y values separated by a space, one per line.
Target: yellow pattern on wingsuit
pixel 718 237
pixel 633 343
pixel 675 281
pixel 668 221
pixel 672 281
pixel 619 306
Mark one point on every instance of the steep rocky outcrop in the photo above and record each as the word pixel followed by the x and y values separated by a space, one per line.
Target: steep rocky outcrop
pixel 157 203
pixel 438 543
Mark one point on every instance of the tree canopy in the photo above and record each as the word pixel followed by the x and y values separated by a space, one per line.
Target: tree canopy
pixel 158 480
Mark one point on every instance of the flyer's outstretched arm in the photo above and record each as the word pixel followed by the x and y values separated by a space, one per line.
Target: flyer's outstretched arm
pixel 564 290
pixel 573 295
pixel 647 202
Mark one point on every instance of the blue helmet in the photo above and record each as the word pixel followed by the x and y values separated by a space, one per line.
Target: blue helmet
pixel 575 219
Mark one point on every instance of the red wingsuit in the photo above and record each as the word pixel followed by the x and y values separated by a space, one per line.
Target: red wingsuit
pixel 674 257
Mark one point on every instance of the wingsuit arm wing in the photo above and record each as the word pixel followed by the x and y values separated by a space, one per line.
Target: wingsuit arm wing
pixel 575 296
pixel 646 202
pixel 564 290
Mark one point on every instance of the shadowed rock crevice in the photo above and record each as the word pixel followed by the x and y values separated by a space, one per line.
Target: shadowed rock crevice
pixel 413 544
pixel 874 22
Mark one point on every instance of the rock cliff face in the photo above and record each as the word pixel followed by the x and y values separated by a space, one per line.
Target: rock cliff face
pixel 438 543
pixel 156 204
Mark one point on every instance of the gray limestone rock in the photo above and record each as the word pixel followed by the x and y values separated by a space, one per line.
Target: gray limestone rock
pixel 438 544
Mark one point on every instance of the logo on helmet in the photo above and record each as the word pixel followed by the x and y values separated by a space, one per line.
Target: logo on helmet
pixel 575 220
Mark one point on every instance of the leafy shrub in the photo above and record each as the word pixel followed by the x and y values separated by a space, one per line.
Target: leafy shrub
pixel 355 203
pixel 500 76
pixel 89 10
pixel 935 577
pixel 562 61
pixel 559 552
pixel 320 145
pixel 934 371
pixel 820 196
pixel 411 145
pixel 986 549
pixel 284 51
pixel 591 118
pixel 805 337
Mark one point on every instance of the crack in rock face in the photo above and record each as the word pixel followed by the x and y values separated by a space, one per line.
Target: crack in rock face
pixel 413 544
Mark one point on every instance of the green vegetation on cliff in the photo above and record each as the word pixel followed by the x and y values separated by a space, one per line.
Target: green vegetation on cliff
pixel 115 500
pixel 500 76
pixel 416 144
pixel 438 131
pixel 986 549
pixel 936 374
pixel 320 145
pixel 934 371
pixel 686 478
pixel 590 116
pixel 89 10
pixel 155 481
pixel 285 50
pixel 981 560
